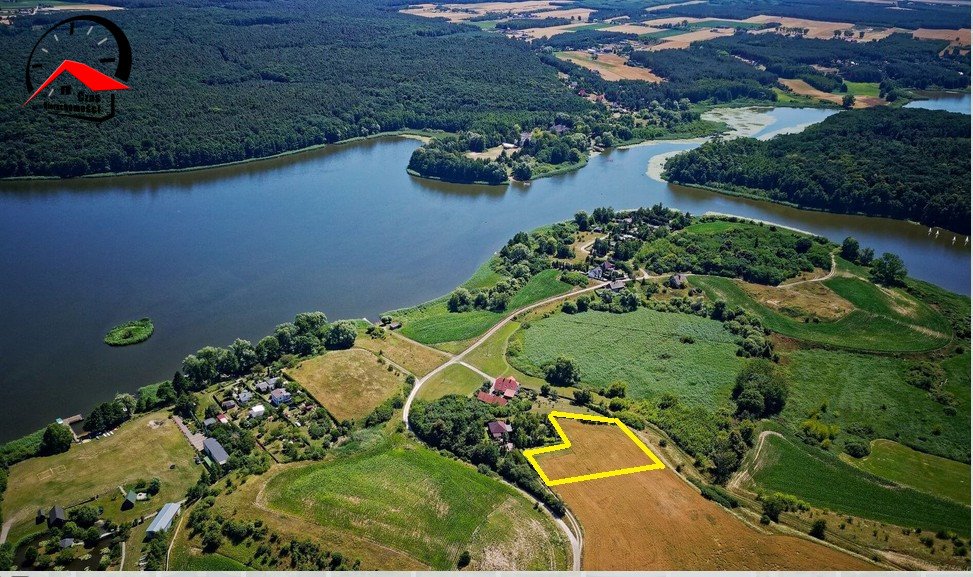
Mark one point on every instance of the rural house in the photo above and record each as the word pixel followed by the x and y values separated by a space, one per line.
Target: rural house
pixel 499 429
pixel 244 397
pixel 491 399
pixel 222 419
pixel 215 450
pixel 267 385
pixel 616 285
pixel 66 543
pixel 256 412
pixel 506 387
pixel 677 281
pixel 595 273
pixel 280 397
pixel 207 423
pixel 228 404
pixel 163 519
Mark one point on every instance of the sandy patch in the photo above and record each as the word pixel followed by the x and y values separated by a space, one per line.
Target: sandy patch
pixel 684 40
pixel 660 22
pixel 488 154
pixel 610 66
pixel 87 7
pixel 810 299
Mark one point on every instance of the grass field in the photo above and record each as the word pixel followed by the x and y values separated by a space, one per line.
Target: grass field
pixel 611 67
pixel 137 450
pixel 417 359
pixel 212 562
pixel 875 325
pixel 642 348
pixel 453 380
pixel 871 390
pixel 654 520
pixel 350 384
pixel 927 473
pixel 431 323
pixel 423 505
pixel 825 481
pixel 863 88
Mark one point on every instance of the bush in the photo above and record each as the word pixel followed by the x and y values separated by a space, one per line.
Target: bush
pixel 817 529
pixel 857 449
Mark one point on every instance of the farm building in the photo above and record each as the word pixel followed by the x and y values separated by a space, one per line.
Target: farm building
pixel 56 517
pixel 506 387
pixel 499 429
pixel 163 519
pixel 491 399
pixel 280 397
pixel 267 385
pixel 677 281
pixel 130 499
pixel 215 450
pixel 256 412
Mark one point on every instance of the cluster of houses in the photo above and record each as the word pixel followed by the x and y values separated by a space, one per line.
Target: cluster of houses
pixel 501 391
pixel 56 517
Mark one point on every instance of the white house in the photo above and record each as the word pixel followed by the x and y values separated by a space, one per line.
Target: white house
pixel 256 412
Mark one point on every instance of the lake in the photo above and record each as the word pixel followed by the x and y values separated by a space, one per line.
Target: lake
pixel 948 101
pixel 231 252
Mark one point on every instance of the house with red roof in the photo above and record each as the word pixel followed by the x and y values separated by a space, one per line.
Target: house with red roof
pixel 491 399
pixel 506 387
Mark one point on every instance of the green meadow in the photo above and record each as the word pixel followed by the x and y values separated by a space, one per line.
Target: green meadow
pixel 927 473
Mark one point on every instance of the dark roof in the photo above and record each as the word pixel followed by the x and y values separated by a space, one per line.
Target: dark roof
pixel 215 450
pixel 498 427
pixel 616 285
pixel 66 542
pixel 57 512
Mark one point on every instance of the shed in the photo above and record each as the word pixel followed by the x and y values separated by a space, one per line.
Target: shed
pixel 256 412
pixel 163 519
pixel 56 517
pixel 228 404
pixel 209 422
pixel 66 543
pixel 215 450
pixel 130 499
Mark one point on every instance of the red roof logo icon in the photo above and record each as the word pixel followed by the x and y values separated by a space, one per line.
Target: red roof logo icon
pixel 92 79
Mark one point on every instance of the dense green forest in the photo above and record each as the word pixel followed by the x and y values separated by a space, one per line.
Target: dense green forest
pixel 246 79
pixel 901 163
pixel 896 61
pixel 904 14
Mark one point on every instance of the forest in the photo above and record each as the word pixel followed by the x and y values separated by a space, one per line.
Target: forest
pixel 247 79
pixel 900 163
pixel 898 60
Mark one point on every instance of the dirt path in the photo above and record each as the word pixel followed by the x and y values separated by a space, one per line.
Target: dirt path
pixel 6 529
pixel 831 273
pixel 457 359
pixel 743 474
pixel 476 370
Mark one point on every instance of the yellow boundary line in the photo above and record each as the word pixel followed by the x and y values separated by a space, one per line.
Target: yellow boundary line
pixel 566 444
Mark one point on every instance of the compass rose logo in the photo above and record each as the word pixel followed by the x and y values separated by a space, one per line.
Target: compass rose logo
pixel 77 66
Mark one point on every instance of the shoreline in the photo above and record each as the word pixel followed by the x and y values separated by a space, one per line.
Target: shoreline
pixel 416 134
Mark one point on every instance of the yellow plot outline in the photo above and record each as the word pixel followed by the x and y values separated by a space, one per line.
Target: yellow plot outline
pixel 566 444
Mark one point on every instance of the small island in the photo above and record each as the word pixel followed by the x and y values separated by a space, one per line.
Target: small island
pixel 130 333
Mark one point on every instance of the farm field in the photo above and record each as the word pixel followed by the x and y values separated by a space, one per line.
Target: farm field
pixel 654 520
pixel 415 358
pixel 350 384
pixel 423 506
pixel 684 40
pixel 453 380
pixel 827 482
pixel 862 100
pixel 866 328
pixel 871 391
pixel 611 67
pixel 642 348
pixel 927 473
pixel 813 300
pixel 140 449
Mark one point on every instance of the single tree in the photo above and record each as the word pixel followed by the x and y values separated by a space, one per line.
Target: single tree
pixel 57 439
pixel 889 270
